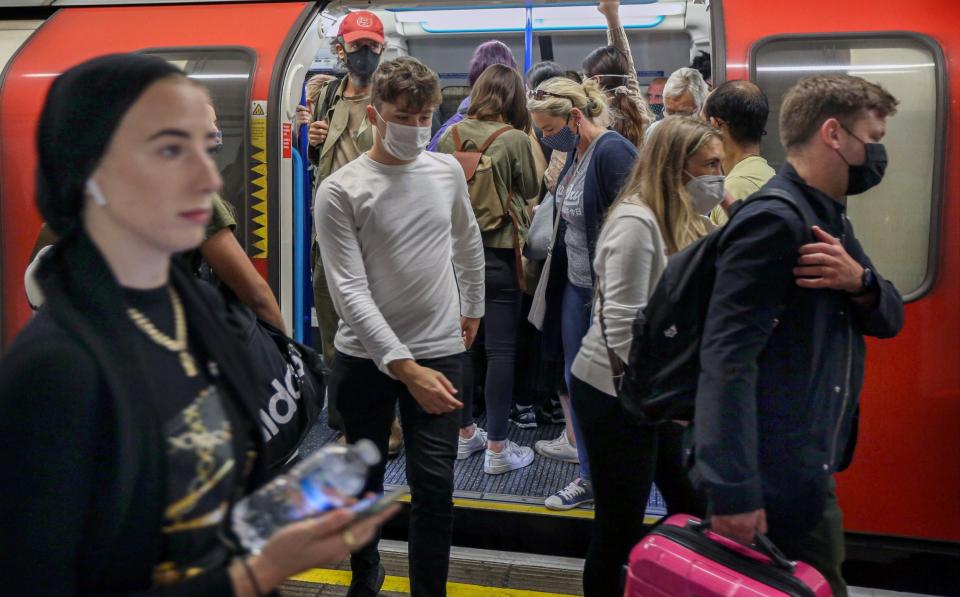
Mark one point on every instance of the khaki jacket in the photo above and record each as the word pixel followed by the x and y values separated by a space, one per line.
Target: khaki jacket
pixel 337 114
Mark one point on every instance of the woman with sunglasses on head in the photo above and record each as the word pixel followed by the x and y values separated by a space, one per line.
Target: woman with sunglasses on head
pixel 659 212
pixel 129 427
pixel 611 66
pixel 496 123
pixel 574 120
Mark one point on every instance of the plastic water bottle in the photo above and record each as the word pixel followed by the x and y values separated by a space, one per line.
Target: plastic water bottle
pixel 322 482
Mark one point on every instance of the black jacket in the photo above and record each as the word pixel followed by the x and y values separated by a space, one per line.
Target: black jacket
pixel 608 170
pixel 781 366
pixel 83 465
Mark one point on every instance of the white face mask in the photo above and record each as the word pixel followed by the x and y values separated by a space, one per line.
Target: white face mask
pixel 402 141
pixel 706 191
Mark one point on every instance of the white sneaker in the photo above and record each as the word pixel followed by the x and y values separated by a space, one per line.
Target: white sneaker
pixel 559 449
pixel 577 493
pixel 511 458
pixel 467 447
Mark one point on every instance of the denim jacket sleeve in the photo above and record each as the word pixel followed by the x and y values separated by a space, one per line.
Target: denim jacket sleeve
pixel 753 278
pixel 884 319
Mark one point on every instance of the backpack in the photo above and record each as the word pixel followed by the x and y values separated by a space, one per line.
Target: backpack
pixel 492 211
pixel 659 383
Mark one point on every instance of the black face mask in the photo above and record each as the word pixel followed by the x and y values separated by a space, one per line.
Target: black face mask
pixel 362 63
pixel 865 176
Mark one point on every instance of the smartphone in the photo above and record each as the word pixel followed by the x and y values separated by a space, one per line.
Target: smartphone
pixel 376 504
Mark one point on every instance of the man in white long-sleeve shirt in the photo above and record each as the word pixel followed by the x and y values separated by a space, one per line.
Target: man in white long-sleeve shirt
pixel 404 264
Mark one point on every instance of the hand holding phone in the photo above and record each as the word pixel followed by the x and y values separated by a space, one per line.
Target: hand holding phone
pixel 376 504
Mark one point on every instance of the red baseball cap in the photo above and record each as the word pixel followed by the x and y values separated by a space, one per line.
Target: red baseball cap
pixel 361 24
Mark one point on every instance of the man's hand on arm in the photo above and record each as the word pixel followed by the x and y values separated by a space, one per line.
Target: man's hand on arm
pixel 826 264
pixel 430 388
pixel 468 327
pixel 740 527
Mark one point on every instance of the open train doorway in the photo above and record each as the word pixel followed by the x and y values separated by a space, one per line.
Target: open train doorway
pixel 662 36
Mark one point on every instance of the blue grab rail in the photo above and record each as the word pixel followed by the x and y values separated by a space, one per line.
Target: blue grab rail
pixel 302 238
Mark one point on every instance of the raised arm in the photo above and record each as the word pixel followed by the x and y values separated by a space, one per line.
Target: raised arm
pixel 617 37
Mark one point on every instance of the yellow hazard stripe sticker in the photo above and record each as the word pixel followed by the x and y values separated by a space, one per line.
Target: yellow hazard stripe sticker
pixel 400 584
pixel 258 177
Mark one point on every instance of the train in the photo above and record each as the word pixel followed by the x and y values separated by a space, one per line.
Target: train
pixel 254 57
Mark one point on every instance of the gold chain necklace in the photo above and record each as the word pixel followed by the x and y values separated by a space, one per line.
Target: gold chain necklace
pixel 178 344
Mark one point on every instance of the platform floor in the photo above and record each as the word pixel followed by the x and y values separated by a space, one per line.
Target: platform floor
pixel 530 485
pixel 478 573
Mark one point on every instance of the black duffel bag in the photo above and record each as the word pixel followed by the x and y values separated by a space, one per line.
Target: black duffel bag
pixel 291 380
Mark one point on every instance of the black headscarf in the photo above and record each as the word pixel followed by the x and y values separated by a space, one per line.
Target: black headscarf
pixel 82 110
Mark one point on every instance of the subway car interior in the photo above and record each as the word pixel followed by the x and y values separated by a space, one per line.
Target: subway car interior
pixel 900 497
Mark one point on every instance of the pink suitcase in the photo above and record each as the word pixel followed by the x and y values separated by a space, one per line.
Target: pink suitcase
pixel 682 558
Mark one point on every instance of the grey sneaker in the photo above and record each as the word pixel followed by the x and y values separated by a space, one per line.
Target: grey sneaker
pixel 558 449
pixel 512 457
pixel 467 447
pixel 577 493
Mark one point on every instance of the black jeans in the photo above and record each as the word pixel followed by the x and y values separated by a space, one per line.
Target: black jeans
pixel 501 329
pixel 367 398
pixel 625 459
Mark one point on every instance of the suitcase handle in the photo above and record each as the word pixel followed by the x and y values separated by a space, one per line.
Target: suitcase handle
pixel 762 545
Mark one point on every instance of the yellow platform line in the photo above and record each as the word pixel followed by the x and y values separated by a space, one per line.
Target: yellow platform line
pixel 400 584
pixel 525 509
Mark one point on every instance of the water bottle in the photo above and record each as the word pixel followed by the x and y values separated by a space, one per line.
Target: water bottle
pixel 322 482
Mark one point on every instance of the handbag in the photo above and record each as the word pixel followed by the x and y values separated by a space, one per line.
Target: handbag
pixel 539 235
pixel 290 382
pixel 538 309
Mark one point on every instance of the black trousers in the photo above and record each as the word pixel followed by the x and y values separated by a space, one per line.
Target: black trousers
pixel 625 459
pixel 367 399
pixel 501 324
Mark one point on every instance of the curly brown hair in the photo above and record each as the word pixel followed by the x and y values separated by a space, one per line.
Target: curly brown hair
pixel 815 99
pixel 406 82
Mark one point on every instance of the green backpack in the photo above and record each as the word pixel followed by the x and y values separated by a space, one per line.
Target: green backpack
pixel 492 211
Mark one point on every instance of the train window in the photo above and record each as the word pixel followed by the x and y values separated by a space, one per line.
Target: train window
pixel 896 221
pixel 226 73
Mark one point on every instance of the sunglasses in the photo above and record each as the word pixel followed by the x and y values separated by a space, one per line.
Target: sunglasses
pixel 540 95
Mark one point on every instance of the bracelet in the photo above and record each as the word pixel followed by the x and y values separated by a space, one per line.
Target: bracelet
pixel 253 579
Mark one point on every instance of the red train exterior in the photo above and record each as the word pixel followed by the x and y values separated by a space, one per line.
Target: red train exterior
pixel 906 477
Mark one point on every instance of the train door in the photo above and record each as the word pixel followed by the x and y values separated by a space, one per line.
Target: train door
pixel 663 36
pixel 231 49
pixel 13 34
pixel 904 479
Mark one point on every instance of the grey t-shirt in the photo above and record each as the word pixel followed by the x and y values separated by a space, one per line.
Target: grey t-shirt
pixel 570 199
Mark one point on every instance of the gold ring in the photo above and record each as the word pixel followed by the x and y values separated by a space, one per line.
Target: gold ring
pixel 349 540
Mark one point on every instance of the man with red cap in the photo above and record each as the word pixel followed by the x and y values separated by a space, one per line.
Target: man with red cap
pixel 339 133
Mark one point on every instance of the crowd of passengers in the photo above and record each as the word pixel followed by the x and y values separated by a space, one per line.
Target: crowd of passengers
pixel 581 190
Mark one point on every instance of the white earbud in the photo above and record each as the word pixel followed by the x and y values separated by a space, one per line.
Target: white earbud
pixel 94 189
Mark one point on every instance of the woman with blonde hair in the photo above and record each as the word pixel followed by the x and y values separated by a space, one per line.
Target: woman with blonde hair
pixel 655 216
pixel 574 118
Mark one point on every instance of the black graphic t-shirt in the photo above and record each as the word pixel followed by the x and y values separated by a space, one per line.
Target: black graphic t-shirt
pixel 201 447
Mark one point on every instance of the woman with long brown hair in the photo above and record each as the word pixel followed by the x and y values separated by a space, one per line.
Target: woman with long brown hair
pixel 497 124
pixel 653 217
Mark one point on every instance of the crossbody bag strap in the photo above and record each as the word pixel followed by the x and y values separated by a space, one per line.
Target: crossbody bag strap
pixel 493 137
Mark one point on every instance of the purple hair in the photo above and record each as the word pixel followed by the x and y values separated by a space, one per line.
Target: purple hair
pixel 487 53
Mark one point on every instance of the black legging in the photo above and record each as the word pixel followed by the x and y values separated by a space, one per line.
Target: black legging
pixel 501 324
pixel 625 459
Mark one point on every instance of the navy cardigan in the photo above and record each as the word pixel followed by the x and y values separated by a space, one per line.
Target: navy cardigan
pixel 610 164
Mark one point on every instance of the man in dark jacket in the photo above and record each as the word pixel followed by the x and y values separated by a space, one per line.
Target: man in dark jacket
pixel 782 353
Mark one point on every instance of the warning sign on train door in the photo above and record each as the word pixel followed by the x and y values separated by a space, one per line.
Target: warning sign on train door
pixel 258 177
